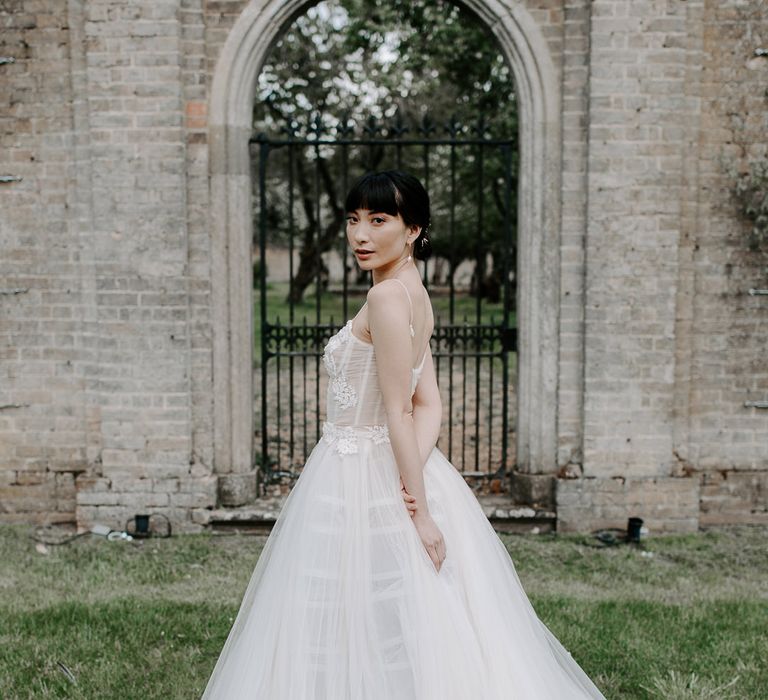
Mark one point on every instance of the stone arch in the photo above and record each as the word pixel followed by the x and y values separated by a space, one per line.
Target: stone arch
pixel 230 115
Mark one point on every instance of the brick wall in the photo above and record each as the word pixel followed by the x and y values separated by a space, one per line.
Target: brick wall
pixel 99 353
pixel 727 443
pixel 674 346
pixel 43 357
pixel 637 113
pixel 105 312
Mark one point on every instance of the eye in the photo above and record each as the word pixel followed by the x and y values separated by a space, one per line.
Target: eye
pixel 378 220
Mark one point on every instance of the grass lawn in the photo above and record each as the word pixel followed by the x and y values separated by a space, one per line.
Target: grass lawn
pixel 332 309
pixel 684 617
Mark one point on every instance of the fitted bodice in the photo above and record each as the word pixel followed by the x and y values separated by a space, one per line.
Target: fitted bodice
pixel 354 397
pixel 354 405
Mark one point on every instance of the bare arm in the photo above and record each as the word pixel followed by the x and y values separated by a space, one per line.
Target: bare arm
pixel 388 314
pixel 427 409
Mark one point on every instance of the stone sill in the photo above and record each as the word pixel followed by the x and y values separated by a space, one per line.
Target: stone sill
pixel 504 514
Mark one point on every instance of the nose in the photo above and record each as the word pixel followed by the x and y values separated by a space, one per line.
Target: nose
pixel 361 234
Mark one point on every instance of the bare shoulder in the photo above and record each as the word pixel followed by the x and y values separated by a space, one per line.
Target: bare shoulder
pixel 386 293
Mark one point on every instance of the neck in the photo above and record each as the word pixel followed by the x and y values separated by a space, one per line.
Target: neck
pixel 386 272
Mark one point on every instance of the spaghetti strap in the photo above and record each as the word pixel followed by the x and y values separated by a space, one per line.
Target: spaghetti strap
pixel 423 357
pixel 410 303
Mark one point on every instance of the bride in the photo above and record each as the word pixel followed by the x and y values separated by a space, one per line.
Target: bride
pixel 382 578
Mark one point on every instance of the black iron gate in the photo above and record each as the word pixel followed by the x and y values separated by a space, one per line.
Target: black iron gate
pixel 308 285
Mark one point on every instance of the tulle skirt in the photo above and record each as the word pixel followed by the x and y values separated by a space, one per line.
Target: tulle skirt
pixel 345 603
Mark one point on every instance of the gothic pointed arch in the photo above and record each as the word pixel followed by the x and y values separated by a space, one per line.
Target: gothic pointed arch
pixel 539 203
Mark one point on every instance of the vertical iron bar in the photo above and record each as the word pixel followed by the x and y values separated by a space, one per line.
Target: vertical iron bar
pixel 479 238
pixel 426 187
pixel 344 251
pixel 318 233
pixel 478 300
pixel 304 383
pixel 278 393
pixel 465 344
pixel 438 351
pixel 371 146
pixel 263 154
pixel 491 361
pixel 318 283
pixel 291 310
pixel 451 290
pixel 451 298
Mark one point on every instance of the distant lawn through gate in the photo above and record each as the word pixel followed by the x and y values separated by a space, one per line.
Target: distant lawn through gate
pixel 332 309
pixel 682 618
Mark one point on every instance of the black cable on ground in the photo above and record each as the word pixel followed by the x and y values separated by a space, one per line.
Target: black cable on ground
pixel 109 534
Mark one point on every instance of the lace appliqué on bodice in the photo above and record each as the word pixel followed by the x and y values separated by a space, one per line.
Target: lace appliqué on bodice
pixel 349 369
pixel 345 437
pixel 344 393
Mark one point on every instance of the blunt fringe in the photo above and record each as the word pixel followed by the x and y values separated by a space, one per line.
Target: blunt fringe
pixel 395 192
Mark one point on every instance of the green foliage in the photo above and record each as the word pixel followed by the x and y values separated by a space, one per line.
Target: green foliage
pixel 750 189
pixel 364 58
pixel 430 67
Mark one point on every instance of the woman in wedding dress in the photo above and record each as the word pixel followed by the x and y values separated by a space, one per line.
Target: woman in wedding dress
pixel 382 578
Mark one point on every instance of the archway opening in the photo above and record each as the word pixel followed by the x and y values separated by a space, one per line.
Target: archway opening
pixel 352 87
pixel 231 119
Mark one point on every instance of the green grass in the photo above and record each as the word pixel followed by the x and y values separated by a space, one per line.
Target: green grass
pixel 682 619
pixel 332 308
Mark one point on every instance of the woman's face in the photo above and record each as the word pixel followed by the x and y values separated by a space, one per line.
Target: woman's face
pixel 378 240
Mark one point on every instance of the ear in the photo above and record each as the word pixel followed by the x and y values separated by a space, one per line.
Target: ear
pixel 414 233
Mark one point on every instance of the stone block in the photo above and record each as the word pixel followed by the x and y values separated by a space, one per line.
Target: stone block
pixel 237 489
pixel 733 497
pixel 533 489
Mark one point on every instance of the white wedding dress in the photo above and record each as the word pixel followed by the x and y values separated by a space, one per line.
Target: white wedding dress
pixel 345 603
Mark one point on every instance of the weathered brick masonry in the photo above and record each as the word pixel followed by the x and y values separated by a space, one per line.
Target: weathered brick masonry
pixel 107 328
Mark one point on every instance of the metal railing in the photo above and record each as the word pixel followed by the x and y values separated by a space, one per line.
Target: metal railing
pixel 303 175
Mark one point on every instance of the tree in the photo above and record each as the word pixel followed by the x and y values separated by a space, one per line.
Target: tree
pixel 430 63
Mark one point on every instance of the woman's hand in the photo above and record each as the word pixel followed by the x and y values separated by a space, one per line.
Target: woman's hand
pixel 431 538
pixel 430 534
pixel 410 501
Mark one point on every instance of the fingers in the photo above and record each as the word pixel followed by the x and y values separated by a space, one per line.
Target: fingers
pixel 437 553
pixel 437 558
pixel 432 551
pixel 410 501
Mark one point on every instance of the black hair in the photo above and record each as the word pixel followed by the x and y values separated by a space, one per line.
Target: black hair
pixel 395 192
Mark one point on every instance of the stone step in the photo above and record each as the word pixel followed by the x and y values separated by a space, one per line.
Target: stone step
pixel 503 513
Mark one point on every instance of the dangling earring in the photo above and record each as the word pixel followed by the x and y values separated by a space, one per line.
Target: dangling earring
pixel 409 254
